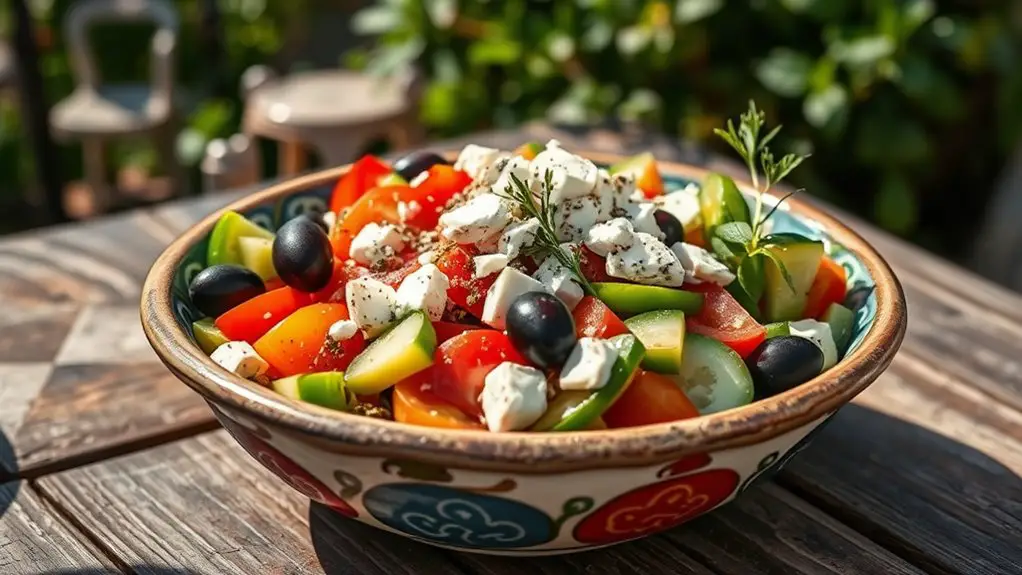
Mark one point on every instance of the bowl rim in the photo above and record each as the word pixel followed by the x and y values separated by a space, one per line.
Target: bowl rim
pixel 525 452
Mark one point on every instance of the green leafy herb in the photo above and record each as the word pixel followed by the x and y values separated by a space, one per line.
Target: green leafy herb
pixel 546 243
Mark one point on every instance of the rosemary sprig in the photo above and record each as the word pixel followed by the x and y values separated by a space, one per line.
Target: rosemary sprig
pixel 546 243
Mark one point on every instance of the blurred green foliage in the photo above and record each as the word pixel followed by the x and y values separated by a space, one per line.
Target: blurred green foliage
pixel 907 107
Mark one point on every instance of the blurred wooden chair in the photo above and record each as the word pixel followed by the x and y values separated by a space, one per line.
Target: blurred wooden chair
pixel 96 112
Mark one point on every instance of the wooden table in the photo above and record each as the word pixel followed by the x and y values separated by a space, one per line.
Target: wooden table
pixel 112 465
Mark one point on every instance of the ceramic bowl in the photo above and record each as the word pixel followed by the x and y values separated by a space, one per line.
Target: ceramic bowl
pixel 524 494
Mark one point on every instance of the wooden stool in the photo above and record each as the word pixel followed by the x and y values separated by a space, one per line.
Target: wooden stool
pixel 337 113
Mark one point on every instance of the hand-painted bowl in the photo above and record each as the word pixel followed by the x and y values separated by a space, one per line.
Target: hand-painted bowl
pixel 519 493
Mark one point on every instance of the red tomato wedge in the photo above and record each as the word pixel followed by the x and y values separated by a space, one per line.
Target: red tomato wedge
pixel 395 276
pixel 594 319
pixel 250 320
pixel 725 320
pixel 362 177
pixel 649 181
pixel 446 330
pixel 296 345
pixel 461 363
pixel 829 286
pixel 415 404
pixel 594 267
pixel 651 398
pixel 466 290
pixel 425 202
pixel 376 205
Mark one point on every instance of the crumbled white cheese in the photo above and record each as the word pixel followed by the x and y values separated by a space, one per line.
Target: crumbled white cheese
pixel 513 397
pixel 819 333
pixel 683 205
pixel 642 216
pixel 487 264
pixel 647 261
pixel 426 257
pixel 517 167
pixel 574 217
pixel 589 365
pixel 700 265
pixel 517 237
pixel 240 358
pixel 372 304
pixel 424 289
pixel 342 330
pixel 482 217
pixel 510 284
pixel 559 280
pixel 408 210
pixel 418 180
pixel 375 243
pixel 571 176
pixel 615 235
pixel 481 163
pixel 330 220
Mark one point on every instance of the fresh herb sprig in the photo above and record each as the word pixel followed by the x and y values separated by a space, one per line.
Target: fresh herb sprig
pixel 739 243
pixel 546 243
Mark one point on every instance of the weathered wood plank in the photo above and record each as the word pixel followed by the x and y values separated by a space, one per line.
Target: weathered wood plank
pixel 203 505
pixel 34 540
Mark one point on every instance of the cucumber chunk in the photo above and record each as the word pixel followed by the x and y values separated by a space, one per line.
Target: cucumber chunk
pixel 842 323
pixel 207 335
pixel 721 202
pixel 801 258
pixel 713 376
pixel 578 410
pixel 662 333
pixel 391 179
pixel 224 247
pixel 777 329
pixel 631 299
pixel 326 389
pixel 400 352
pixel 257 255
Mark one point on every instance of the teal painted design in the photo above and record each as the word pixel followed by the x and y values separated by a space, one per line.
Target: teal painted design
pixel 301 203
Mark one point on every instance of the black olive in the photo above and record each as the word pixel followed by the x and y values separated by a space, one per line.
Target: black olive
pixel 782 363
pixel 302 255
pixel 541 328
pixel 671 226
pixel 219 288
pixel 415 163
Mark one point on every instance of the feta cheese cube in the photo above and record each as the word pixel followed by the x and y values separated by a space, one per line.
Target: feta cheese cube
pixel 517 237
pixel 240 358
pixel 517 167
pixel 372 304
pixel 375 243
pixel 510 284
pixel 424 289
pixel 559 280
pixel 612 236
pixel 342 330
pixel 330 220
pixel 683 205
pixel 482 217
pixel 426 257
pixel 574 217
pixel 643 219
pixel 513 397
pixel 571 176
pixel 648 261
pixel 589 365
pixel 700 265
pixel 481 163
pixel 819 333
pixel 487 264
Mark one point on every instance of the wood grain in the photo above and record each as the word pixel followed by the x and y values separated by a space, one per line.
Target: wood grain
pixel 33 540
pixel 203 505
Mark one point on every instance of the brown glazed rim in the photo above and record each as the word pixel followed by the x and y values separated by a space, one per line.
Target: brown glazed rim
pixel 526 452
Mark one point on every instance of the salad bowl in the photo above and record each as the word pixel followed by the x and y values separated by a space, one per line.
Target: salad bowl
pixel 522 493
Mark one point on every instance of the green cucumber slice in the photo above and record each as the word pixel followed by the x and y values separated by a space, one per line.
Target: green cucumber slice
pixel 223 240
pixel 207 335
pixel 257 255
pixel 631 299
pixel 634 165
pixel 400 352
pixel 662 333
pixel 777 329
pixel 578 410
pixel 720 202
pixel 326 389
pixel 391 179
pixel 842 323
pixel 801 258
pixel 713 376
